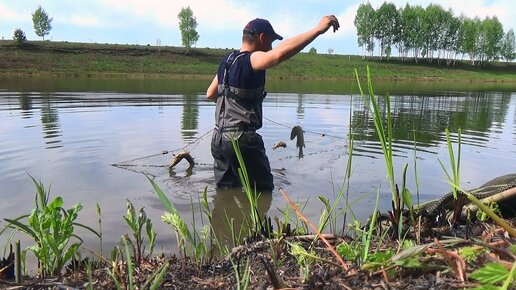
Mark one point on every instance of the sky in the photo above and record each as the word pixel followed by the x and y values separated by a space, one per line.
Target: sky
pixel 220 22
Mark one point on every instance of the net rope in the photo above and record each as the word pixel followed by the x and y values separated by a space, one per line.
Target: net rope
pixel 157 164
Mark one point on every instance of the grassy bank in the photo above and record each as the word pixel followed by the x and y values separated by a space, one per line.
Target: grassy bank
pixel 137 61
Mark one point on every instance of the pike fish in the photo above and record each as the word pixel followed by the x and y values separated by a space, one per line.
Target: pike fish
pixel 180 156
pixel 297 132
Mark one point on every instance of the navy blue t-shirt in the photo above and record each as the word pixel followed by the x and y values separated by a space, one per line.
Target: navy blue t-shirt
pixel 242 74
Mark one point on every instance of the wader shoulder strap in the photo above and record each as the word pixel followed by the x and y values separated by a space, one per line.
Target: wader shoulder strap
pixel 232 58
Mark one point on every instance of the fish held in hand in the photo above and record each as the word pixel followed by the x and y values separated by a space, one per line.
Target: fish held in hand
pixel 297 132
pixel 279 144
pixel 180 156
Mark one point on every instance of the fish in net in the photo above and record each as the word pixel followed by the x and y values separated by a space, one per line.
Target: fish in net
pixel 171 163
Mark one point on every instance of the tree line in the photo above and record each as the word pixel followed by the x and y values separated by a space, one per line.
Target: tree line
pixel 431 33
pixel 42 25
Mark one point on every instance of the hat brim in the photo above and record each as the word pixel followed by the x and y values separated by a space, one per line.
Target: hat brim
pixel 278 37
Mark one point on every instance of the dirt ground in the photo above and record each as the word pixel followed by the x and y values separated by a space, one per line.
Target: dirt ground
pixel 441 264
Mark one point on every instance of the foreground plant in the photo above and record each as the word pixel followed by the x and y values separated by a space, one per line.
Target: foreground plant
pixel 193 243
pixel 454 177
pixel 242 278
pixel 52 229
pixel 127 278
pixel 252 195
pixel 136 224
pixel 385 138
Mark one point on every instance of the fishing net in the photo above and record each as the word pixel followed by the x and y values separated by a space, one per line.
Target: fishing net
pixel 181 176
pixel 289 162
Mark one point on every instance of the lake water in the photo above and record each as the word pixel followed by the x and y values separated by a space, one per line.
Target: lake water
pixel 69 133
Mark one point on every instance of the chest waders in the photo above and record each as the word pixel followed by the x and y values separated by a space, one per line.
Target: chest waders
pixel 238 115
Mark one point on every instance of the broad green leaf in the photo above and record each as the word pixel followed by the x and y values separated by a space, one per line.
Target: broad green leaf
pixel 470 254
pixel 491 273
pixel 406 195
pixel 381 256
pixel 87 228
pixel 56 204
pixel 22 227
pixel 411 262
pixel 70 252
pixel 346 251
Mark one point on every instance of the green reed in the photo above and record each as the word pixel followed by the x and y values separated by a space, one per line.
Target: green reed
pixel 193 243
pixel 330 214
pixel 454 178
pixel 99 215
pixel 242 279
pixel 385 138
pixel 252 195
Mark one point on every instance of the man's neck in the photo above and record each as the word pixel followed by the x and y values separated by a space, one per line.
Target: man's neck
pixel 246 47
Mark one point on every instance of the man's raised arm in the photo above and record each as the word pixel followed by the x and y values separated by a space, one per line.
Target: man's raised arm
pixel 286 49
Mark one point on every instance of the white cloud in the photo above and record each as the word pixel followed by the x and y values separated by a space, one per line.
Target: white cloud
pixel 83 20
pixel 8 14
pixel 346 21
pixel 287 25
pixel 211 14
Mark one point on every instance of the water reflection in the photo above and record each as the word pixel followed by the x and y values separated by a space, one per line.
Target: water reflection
pixel 190 118
pixel 231 209
pixel 427 117
pixel 50 123
pixel 300 107
pixel 25 106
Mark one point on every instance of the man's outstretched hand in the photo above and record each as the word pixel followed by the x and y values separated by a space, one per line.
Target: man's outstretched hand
pixel 327 22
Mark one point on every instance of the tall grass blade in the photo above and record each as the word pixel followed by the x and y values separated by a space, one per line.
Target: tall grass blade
pixel 129 261
pixel 22 227
pixel 159 278
pixel 252 195
pixel 384 138
pixel 162 197
pixel 366 241
pixel 416 176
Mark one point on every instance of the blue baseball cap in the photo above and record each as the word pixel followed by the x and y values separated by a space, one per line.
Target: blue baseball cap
pixel 258 25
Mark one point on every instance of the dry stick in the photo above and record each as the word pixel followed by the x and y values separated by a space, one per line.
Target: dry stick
pixel 497 247
pixel 384 274
pixel 510 230
pixel 300 215
pixel 501 196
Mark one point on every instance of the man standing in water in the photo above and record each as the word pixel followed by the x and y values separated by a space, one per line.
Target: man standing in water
pixel 239 89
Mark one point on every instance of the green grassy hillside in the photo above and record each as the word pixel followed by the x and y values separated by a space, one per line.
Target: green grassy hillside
pixel 84 59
